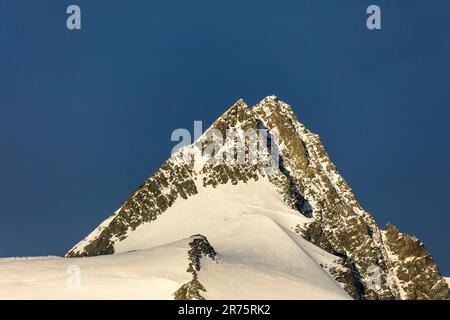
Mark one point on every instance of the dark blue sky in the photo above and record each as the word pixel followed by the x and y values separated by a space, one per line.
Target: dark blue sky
pixel 87 115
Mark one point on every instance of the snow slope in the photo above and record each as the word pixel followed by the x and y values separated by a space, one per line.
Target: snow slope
pixel 146 274
pixel 259 255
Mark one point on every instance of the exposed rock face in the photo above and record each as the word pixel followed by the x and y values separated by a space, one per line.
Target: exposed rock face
pixel 342 271
pixel 340 225
pixel 415 272
pixel 200 247
pixel 306 179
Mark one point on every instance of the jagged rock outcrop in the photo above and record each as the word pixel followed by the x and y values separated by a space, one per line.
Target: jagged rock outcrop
pixel 415 272
pixel 200 247
pixel 342 271
pixel 306 179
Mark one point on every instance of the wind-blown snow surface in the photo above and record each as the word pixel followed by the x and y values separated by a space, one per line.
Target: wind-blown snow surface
pixel 249 226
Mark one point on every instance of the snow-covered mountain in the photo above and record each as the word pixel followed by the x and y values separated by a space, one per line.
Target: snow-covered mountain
pixel 286 226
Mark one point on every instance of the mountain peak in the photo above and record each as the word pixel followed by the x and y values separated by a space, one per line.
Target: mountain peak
pixel 239 112
pixel 272 106
pixel 304 195
pixel 272 98
pixel 239 105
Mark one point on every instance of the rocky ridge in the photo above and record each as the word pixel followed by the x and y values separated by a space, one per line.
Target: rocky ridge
pixel 200 247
